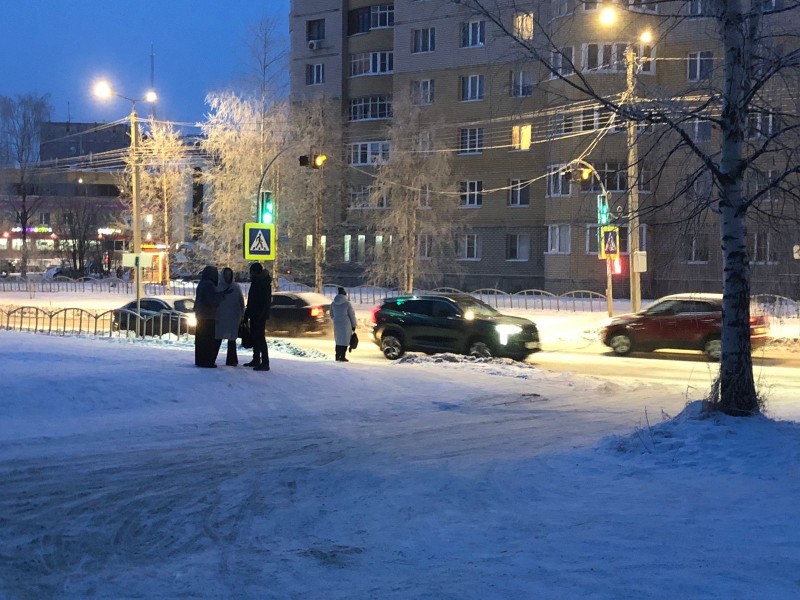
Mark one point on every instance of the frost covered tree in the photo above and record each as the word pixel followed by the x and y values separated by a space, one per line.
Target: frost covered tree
pixel 412 202
pixel 742 83
pixel 20 122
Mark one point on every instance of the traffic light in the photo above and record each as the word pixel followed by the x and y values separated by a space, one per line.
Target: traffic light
pixel 603 216
pixel 616 266
pixel 318 161
pixel 585 174
pixel 266 208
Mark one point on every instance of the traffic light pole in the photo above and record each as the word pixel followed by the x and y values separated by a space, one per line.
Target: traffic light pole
pixel 633 186
pixel 609 280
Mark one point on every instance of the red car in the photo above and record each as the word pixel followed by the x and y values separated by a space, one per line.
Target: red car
pixel 679 322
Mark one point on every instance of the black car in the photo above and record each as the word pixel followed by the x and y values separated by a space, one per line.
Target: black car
pixel 296 313
pixel 456 323
pixel 159 315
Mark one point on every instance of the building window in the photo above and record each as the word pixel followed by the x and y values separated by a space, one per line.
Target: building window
pixel 518 246
pixel 696 247
pixel 523 26
pixel 559 8
pixel 361 248
pixel 370 108
pixel 558 239
pixel 647 58
pixel 424 246
pixel 561 125
pixel 700 130
pixel 697 8
pixel 423 142
pixel 761 247
pixel 759 183
pixel 309 247
pixel 759 124
pixel 467 247
pixel 471 193
pixel 315 30
pixel 382 16
pixel 44 218
pixel 348 242
pixel 471 140
pixel 369 153
pixel 700 65
pixel 521 137
pixel 561 62
pixel 358 20
pixel 558 182
pixel 422 91
pixel 473 34
pixel 423 40
pixel 315 74
pixel 521 84
pixel 471 88
pixel 604 58
pixel 650 6
pixel 589 5
pixel 371 63
pixel 424 196
pixel 613 175
pixel 378 246
pixel 519 192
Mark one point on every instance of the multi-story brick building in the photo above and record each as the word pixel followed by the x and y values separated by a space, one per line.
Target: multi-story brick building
pixel 513 126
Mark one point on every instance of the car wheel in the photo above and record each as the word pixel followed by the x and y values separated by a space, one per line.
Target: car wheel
pixel 392 347
pixel 621 343
pixel 294 330
pixel 480 349
pixel 713 349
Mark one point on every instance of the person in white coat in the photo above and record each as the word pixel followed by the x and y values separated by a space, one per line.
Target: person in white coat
pixel 344 323
pixel 229 314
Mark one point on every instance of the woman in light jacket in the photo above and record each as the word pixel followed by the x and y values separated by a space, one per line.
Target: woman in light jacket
pixel 229 314
pixel 344 323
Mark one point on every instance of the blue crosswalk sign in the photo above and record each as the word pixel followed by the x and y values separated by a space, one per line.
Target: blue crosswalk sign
pixel 259 241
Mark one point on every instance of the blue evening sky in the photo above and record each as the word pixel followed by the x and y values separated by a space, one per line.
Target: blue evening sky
pixel 60 47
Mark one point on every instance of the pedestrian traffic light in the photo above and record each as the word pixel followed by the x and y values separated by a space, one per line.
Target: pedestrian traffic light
pixel 616 266
pixel 318 161
pixel 266 208
pixel 603 216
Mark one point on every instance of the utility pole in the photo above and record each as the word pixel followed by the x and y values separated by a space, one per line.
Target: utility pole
pixel 633 185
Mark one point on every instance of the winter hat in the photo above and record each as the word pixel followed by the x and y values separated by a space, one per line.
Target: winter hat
pixel 256 268
pixel 342 291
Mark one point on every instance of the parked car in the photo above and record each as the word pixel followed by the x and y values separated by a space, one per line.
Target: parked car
pixel 297 313
pixel 159 315
pixel 456 323
pixel 679 322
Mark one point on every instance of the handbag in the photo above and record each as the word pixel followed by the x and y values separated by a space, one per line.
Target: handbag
pixel 353 341
pixel 245 334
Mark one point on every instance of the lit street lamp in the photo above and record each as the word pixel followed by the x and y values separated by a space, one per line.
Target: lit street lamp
pixel 102 89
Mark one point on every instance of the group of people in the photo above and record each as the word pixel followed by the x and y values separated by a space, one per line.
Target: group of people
pixel 221 312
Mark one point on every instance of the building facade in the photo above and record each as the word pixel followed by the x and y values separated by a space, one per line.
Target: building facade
pixel 514 127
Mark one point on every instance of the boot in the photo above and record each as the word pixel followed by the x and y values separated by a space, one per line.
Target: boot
pixel 256 362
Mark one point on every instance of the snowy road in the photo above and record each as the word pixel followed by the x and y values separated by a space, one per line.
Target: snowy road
pixel 128 473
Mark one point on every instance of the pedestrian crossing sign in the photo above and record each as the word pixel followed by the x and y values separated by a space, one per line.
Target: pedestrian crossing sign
pixel 608 242
pixel 259 241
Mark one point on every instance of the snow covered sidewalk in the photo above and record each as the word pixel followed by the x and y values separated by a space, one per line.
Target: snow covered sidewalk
pixel 128 473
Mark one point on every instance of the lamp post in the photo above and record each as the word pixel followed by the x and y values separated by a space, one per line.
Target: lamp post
pixel 102 89
pixel 609 287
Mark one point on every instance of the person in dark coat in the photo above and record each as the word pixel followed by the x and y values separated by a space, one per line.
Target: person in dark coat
pixel 206 301
pixel 259 301
pixel 229 315
pixel 344 323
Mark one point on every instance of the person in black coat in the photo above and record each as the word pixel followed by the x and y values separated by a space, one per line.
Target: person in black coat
pixel 259 301
pixel 206 301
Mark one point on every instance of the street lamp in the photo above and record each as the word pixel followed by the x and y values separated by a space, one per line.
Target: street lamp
pixel 102 89
pixel 608 16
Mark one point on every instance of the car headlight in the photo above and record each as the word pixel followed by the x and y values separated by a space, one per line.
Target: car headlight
pixel 192 320
pixel 504 331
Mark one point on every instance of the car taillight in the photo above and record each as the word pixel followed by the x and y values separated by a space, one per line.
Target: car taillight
pixel 374 315
pixel 758 320
pixel 316 311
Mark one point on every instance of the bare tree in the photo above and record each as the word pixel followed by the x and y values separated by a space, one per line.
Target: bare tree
pixel 412 203
pixel 759 74
pixel 77 232
pixel 20 123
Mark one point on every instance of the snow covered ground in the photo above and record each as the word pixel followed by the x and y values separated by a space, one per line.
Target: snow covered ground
pixel 128 473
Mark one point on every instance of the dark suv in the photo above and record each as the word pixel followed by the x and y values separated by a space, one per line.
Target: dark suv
pixel 679 322
pixel 456 323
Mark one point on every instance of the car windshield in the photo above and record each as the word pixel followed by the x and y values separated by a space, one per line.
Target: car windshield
pixel 184 306
pixel 477 307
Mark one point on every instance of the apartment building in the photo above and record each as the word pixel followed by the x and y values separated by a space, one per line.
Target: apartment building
pixel 513 127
